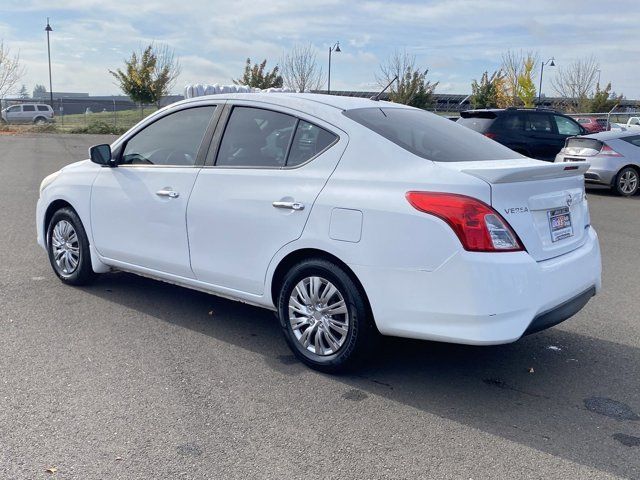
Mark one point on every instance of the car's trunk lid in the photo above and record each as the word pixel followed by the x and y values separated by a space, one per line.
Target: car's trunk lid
pixel 543 202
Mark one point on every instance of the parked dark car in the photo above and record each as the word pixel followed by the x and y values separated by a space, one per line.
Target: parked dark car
pixel 536 133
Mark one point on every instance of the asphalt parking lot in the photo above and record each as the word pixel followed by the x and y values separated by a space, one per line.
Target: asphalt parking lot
pixel 135 379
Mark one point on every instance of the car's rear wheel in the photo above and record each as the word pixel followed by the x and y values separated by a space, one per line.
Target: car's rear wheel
pixel 40 120
pixel 324 316
pixel 627 182
pixel 68 248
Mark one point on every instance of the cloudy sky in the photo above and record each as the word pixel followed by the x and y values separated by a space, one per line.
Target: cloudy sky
pixel 456 39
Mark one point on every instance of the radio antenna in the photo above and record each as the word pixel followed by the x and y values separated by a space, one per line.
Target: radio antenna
pixel 376 97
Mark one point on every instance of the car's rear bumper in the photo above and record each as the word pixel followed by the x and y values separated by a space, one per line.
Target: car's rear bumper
pixel 483 298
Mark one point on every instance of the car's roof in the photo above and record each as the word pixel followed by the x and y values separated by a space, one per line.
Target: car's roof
pixel 612 134
pixel 296 99
pixel 510 109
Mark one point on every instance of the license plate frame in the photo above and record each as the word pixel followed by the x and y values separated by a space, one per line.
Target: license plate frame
pixel 560 223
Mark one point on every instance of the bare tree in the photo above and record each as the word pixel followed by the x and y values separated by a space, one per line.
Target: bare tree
pixel 300 69
pixel 11 71
pixel 167 69
pixel 513 64
pixel 576 81
pixel 412 87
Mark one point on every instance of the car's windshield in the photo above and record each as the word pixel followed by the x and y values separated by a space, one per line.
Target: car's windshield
pixel 430 136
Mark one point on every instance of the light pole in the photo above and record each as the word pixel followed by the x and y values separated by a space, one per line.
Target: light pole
pixel 49 29
pixel 551 63
pixel 335 48
pixel 598 77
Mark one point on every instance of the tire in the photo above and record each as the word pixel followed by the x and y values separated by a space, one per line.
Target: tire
pixel 39 121
pixel 68 248
pixel 336 341
pixel 626 182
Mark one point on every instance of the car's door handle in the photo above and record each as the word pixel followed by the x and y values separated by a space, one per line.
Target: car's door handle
pixel 289 205
pixel 167 193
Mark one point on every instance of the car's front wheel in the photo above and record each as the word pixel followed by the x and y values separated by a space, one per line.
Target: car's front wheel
pixel 627 182
pixel 324 316
pixel 68 248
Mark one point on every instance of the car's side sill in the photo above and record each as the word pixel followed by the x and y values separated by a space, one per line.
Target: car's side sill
pixel 193 284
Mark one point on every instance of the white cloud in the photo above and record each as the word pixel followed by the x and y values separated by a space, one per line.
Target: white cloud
pixel 457 38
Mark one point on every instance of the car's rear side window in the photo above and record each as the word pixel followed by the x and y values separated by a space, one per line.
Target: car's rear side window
pixel 308 141
pixel 538 122
pixel 430 136
pixel 43 108
pixel 28 108
pixel 634 140
pixel 255 137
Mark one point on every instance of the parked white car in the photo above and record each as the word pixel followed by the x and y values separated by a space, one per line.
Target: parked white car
pixel 347 216
pixel 28 113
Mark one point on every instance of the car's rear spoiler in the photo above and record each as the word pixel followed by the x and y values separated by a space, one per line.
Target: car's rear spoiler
pixel 525 173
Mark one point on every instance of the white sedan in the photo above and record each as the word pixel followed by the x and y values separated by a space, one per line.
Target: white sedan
pixel 349 217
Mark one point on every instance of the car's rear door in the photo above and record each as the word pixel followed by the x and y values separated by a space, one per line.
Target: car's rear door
pixel 264 171
pixel 544 141
pixel 138 209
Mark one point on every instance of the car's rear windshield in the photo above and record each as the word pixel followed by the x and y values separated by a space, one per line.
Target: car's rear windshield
pixel 430 136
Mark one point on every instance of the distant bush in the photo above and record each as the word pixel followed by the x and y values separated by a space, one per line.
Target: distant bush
pixel 99 127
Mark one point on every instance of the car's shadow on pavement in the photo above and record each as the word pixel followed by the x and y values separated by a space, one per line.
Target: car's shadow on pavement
pixel 563 393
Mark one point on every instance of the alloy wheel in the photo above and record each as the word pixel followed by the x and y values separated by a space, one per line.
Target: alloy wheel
pixel 65 247
pixel 628 182
pixel 318 315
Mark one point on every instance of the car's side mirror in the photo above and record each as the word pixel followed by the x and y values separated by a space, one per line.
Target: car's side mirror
pixel 101 154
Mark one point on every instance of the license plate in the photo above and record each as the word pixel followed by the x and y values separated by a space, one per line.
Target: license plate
pixel 560 223
pixel 573 159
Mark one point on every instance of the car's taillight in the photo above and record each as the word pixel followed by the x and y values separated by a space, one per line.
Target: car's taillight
pixel 607 150
pixel 478 226
pixel 490 135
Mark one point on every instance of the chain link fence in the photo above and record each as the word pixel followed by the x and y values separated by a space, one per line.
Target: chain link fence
pixel 89 114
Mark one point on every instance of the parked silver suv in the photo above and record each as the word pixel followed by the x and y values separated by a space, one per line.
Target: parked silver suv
pixel 28 113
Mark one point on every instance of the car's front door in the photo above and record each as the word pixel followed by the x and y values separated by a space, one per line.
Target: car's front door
pixel 14 113
pixel 138 208
pixel 269 168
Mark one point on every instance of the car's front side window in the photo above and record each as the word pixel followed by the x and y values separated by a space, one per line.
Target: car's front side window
pixel 14 109
pixel 256 137
pixel 173 140
pixel 566 126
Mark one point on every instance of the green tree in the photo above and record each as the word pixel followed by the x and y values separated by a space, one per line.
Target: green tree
pixel 39 91
pixel 603 100
pixel 256 76
pixel 412 87
pixel 136 79
pixel 148 75
pixel 526 89
pixel 23 93
pixel 487 92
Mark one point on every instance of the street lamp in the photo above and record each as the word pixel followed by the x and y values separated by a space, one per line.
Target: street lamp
pixel 335 48
pixel 551 63
pixel 49 29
